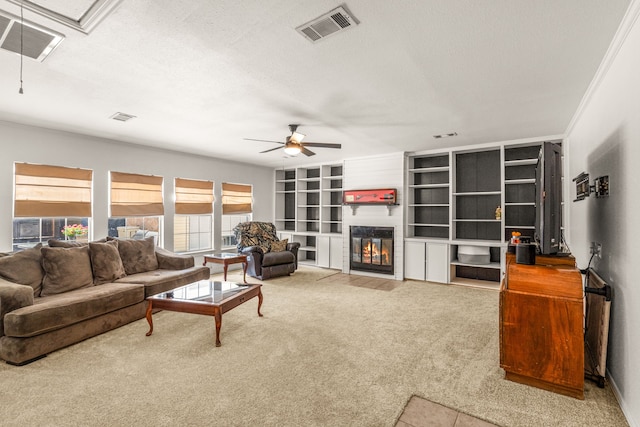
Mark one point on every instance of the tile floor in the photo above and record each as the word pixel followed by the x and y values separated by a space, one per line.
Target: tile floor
pixel 420 412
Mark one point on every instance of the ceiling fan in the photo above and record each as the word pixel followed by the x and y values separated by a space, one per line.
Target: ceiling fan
pixel 293 144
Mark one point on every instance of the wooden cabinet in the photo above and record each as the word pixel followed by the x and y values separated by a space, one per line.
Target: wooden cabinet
pixel 541 333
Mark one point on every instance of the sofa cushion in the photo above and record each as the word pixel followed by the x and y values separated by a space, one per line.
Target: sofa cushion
pixel 138 256
pixel 24 267
pixel 105 262
pixel 58 311
pixel 158 281
pixel 66 269
pixel 279 246
pixel 276 258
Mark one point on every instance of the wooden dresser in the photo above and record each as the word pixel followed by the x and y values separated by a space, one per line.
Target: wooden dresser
pixel 541 324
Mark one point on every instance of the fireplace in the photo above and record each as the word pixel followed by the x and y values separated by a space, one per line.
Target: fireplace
pixel 372 249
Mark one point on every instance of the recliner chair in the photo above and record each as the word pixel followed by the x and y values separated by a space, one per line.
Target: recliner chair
pixel 259 241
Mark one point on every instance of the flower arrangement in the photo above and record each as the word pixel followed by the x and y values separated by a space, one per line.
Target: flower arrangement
pixel 75 230
pixel 515 237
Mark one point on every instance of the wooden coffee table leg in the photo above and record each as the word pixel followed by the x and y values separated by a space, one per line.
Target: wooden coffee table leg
pixel 218 315
pixel 226 267
pixel 149 318
pixel 244 271
pixel 259 301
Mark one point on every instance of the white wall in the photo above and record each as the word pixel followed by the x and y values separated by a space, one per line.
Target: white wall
pixel 604 139
pixel 365 173
pixel 37 145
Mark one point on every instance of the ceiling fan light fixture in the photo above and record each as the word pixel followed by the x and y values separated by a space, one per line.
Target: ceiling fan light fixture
pixel 292 148
pixel 297 137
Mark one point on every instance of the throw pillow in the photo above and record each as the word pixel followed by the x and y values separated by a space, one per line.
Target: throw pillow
pixel 24 268
pixel 66 269
pixel 106 262
pixel 279 246
pixel 138 256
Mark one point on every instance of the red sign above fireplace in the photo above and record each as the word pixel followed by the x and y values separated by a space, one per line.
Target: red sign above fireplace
pixel 385 196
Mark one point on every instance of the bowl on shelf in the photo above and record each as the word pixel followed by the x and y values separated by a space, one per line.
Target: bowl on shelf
pixel 469 254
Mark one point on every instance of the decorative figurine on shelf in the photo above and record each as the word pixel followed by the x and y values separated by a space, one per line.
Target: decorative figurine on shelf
pixel 498 213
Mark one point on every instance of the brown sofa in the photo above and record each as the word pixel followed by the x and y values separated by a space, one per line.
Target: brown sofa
pixel 52 297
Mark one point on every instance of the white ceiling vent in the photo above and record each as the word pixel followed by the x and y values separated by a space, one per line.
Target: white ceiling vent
pixel 33 41
pixel 330 23
pixel 122 117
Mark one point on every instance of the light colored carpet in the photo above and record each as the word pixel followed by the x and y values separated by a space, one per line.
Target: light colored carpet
pixel 325 353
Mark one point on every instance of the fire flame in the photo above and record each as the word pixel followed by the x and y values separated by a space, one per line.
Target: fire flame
pixel 372 252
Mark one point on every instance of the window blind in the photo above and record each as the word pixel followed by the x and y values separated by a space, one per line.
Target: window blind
pixel 136 195
pixel 236 198
pixel 194 197
pixel 52 191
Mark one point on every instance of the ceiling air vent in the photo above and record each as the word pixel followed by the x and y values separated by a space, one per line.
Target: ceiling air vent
pixel 33 41
pixel 122 117
pixel 330 23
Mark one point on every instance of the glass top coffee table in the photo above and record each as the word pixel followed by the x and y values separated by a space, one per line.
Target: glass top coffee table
pixel 208 297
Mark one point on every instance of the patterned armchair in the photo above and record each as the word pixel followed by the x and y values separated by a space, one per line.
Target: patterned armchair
pixel 266 255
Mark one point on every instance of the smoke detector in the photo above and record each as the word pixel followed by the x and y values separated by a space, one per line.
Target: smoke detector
pixel 335 21
pixel 27 38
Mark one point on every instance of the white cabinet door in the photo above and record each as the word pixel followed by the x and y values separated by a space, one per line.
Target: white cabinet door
pixel 437 256
pixel 323 250
pixel 335 253
pixel 414 260
pixel 329 251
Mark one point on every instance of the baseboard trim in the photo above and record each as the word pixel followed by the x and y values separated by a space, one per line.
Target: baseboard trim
pixel 621 401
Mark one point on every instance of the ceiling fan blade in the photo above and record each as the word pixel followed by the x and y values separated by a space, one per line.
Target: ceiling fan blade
pixel 271 149
pixel 322 144
pixel 262 140
pixel 306 152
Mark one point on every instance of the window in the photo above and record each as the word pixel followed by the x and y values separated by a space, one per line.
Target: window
pixel 237 207
pixel 136 206
pixel 46 200
pixel 192 223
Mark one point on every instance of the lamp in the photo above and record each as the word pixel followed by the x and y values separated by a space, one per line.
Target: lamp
pixel 292 148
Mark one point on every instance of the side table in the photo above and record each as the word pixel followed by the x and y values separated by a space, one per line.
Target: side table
pixel 227 258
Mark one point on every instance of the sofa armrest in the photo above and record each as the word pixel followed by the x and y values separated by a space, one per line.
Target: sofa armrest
pixel 12 297
pixel 171 261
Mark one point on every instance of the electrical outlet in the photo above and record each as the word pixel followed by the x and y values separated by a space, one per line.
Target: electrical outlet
pixel 596 249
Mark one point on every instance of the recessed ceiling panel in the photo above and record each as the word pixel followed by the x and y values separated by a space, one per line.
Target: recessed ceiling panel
pixel 81 15
pixel 72 9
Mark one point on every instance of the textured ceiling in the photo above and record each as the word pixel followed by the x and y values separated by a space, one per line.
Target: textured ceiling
pixel 202 75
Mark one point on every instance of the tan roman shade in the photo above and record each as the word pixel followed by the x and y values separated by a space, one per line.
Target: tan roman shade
pixel 194 197
pixel 136 195
pixel 52 191
pixel 236 198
